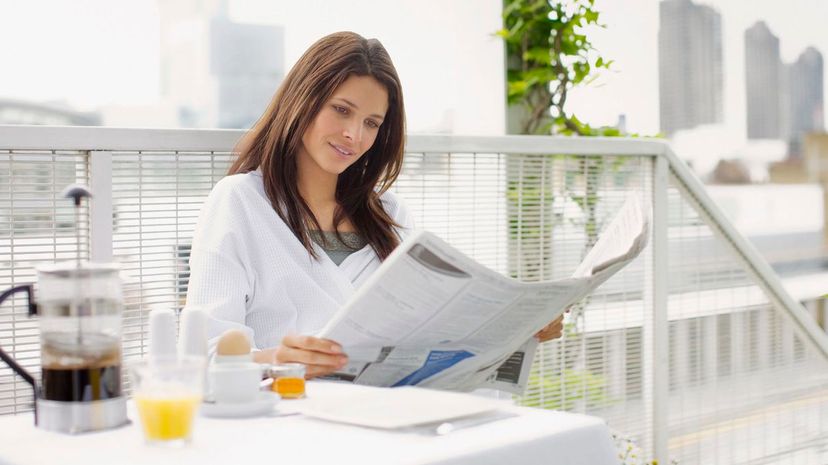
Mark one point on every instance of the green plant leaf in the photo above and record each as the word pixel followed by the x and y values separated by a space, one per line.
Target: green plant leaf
pixel 539 55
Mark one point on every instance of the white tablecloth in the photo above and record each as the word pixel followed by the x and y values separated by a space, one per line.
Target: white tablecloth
pixel 531 437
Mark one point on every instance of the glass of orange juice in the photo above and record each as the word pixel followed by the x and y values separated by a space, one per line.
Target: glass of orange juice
pixel 167 392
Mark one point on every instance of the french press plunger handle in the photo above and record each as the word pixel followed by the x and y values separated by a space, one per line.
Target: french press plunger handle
pixel 27 288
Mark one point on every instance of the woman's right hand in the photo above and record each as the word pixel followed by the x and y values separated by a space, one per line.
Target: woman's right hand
pixel 320 356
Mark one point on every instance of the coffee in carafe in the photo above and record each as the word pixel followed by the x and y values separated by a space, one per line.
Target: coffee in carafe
pixel 80 334
pixel 72 373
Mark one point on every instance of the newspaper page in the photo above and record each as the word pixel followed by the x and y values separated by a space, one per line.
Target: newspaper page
pixel 431 316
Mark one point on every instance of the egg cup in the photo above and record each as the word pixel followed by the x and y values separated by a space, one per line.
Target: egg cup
pixel 235 383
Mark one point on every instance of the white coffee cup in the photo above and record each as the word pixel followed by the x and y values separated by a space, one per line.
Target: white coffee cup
pixel 235 383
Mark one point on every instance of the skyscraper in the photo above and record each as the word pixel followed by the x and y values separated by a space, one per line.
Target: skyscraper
pixel 217 72
pixel 246 61
pixel 689 64
pixel 764 84
pixel 807 103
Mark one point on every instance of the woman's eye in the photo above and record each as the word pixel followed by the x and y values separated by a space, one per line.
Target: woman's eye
pixel 372 124
pixel 340 109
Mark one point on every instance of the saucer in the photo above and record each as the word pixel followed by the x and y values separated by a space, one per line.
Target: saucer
pixel 262 405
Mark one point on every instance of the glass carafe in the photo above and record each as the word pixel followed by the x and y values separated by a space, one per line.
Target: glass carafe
pixel 80 306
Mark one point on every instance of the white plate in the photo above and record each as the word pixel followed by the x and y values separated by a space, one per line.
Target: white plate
pixel 396 407
pixel 262 405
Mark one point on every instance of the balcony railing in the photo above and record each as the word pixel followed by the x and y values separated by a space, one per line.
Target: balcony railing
pixel 694 351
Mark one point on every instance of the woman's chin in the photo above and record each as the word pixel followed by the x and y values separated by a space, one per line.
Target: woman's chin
pixel 336 168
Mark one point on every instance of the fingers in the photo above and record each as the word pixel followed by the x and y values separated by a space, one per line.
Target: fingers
pixel 312 343
pixel 548 335
pixel 309 357
pixel 320 356
pixel 553 330
pixel 315 364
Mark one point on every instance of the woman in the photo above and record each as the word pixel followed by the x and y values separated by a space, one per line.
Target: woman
pixel 305 215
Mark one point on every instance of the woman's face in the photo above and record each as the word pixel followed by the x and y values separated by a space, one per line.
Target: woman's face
pixel 346 126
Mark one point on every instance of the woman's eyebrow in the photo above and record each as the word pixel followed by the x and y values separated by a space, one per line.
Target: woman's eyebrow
pixel 352 104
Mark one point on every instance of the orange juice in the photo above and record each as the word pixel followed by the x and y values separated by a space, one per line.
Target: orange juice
pixel 165 418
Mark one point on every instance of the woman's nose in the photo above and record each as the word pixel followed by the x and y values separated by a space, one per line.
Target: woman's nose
pixel 353 131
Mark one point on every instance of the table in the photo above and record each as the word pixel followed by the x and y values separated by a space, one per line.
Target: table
pixel 529 437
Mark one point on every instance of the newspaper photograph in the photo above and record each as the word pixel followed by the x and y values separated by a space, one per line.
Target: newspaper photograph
pixel 431 316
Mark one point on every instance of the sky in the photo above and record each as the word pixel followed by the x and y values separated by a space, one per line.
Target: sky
pixel 73 50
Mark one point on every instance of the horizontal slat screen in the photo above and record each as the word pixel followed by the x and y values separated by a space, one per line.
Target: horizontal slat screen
pixel 156 198
pixel 37 227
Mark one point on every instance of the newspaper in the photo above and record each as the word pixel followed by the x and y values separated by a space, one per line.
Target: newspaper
pixel 431 316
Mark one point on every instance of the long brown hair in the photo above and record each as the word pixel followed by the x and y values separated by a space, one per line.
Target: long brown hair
pixel 274 141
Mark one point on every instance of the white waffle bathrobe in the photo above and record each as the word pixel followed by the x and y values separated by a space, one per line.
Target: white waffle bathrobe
pixel 248 270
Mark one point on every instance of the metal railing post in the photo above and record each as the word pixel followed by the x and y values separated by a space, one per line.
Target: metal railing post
pixel 100 210
pixel 655 331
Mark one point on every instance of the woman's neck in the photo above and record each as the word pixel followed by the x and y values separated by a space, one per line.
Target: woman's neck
pixel 316 186
pixel 318 189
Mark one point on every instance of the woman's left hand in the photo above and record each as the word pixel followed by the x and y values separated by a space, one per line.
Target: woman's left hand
pixel 553 330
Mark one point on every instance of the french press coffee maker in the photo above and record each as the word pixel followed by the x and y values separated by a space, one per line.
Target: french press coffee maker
pixel 79 304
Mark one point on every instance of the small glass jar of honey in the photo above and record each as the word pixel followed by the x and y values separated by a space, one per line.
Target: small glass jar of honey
pixel 288 380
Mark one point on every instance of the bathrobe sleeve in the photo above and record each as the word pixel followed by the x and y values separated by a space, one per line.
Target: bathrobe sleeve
pixel 220 279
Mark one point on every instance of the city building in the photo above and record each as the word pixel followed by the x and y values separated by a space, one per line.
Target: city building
pixel 217 72
pixel 807 103
pixel 690 65
pixel 764 83
pixel 24 112
pixel 815 150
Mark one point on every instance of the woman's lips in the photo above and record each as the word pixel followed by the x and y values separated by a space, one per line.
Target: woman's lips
pixel 342 150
